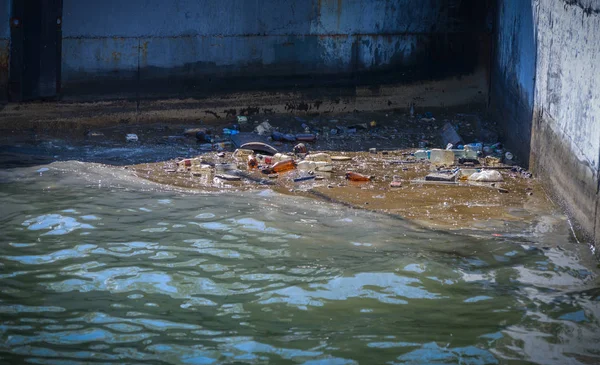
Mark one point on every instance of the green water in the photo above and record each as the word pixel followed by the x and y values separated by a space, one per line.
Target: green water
pixel 98 267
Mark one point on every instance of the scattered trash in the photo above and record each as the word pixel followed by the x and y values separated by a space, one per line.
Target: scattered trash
pixel 228 177
pixel 396 184
pixel 486 176
pixel 477 147
pixel 131 137
pixel 263 128
pixel 508 156
pixel 225 166
pixel 284 166
pixel 441 157
pixel 465 173
pixel 186 162
pixel 278 136
pixel 193 131
pixel 341 158
pixel 355 176
pixel 221 146
pixel 269 160
pixel 306 137
pixel 242 154
pixel 492 161
pixel 441 177
pixel 304 178
pixel 300 149
pixel 260 148
pixel 204 136
pixel 315 166
pixel 323 157
pixel 252 162
pixel 242 119
pixel 449 135
pixel 422 154
pixel 373 150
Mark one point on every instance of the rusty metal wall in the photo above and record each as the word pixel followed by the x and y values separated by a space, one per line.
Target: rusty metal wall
pixel 4 47
pixel 189 45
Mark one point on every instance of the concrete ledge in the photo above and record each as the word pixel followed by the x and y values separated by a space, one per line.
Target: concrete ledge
pixel 465 91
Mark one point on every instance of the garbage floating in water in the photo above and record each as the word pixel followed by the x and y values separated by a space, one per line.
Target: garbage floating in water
pixel 355 176
pixel 131 137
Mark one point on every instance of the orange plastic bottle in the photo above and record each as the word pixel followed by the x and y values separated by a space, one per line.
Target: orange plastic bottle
pixel 284 166
pixel 252 163
pixel 355 176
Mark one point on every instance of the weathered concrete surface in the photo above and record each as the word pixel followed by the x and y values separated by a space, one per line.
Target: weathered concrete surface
pixel 469 91
pixel 565 148
pixel 513 74
pixel 189 47
pixel 4 47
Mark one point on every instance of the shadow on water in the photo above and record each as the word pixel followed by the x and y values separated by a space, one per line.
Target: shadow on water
pixel 100 266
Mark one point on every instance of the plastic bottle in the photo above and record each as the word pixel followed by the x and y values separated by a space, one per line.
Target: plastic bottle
pixel 355 176
pixel 242 154
pixel 324 157
pixel 252 162
pixel 283 166
pixel 306 137
pixel 421 154
pixel 306 165
pixel 442 157
pixel 278 136
pixel 321 166
pixel 478 147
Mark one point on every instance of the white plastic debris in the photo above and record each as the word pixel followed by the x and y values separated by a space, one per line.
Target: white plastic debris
pixel 263 128
pixel 486 176
pixel 131 137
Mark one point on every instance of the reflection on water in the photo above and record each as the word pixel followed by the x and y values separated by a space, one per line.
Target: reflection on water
pixel 100 268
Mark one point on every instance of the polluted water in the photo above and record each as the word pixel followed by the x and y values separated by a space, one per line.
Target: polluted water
pixel 100 266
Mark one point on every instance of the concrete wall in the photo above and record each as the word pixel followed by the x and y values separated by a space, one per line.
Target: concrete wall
pixel 566 126
pixel 546 91
pixel 195 45
pixel 513 74
pixel 4 46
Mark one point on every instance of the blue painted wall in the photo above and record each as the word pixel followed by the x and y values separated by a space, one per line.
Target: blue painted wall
pixel 513 74
pixel 4 46
pixel 4 19
pixel 208 44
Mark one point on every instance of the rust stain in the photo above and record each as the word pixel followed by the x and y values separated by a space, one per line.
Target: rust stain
pixel 144 52
pixel 116 56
